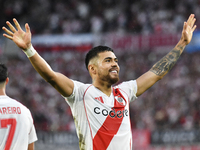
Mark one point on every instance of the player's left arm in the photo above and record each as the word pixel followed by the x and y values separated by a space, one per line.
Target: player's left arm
pixel 163 66
pixel 31 146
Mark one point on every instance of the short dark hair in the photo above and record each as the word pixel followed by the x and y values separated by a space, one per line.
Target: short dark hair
pixel 94 52
pixel 3 72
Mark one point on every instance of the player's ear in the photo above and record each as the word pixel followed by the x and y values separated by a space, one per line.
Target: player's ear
pixel 92 69
pixel 7 80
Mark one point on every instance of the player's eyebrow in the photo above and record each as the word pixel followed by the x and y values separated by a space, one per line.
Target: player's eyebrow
pixel 111 58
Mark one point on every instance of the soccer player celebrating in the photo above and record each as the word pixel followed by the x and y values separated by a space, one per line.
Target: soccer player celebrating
pixel 17 131
pixel 100 110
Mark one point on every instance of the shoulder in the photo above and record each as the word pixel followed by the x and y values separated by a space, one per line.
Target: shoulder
pixel 128 86
pixel 79 88
pixel 78 84
pixel 18 104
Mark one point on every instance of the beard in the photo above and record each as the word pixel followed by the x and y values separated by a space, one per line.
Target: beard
pixel 108 78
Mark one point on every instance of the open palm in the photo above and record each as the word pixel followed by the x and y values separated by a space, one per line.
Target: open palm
pixel 22 39
pixel 188 29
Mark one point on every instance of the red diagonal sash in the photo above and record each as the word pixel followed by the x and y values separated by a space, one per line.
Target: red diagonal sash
pixel 110 126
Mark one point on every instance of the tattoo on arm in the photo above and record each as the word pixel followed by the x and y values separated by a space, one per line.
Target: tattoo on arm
pixel 167 62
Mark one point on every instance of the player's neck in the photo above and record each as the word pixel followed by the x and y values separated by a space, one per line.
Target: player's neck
pixel 105 88
pixel 2 92
pixel 3 87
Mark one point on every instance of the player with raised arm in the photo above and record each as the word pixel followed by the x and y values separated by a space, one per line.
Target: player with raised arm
pixel 100 110
pixel 17 131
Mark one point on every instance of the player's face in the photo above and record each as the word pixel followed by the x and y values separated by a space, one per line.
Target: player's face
pixel 108 68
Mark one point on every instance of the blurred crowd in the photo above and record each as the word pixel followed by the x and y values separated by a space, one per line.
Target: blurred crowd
pixel 171 103
pixel 97 16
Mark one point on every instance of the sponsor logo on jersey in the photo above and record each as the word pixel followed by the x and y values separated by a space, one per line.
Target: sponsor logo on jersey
pixel 112 113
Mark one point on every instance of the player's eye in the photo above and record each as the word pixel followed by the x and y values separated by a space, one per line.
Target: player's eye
pixel 116 60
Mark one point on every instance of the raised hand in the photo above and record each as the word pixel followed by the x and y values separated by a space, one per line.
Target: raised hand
pixel 22 39
pixel 188 29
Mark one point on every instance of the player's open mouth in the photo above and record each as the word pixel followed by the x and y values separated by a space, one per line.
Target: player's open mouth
pixel 114 71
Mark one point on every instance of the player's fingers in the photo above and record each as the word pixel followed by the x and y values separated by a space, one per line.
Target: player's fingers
pixel 27 28
pixel 11 26
pixel 16 24
pixel 194 28
pixel 190 19
pixel 7 36
pixel 184 26
pixel 193 21
pixel 7 31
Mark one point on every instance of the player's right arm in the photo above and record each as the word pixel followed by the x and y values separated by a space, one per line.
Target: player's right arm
pixel 31 146
pixel 22 39
pixel 60 82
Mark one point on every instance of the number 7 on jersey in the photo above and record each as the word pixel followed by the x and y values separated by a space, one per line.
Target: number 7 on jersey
pixel 4 123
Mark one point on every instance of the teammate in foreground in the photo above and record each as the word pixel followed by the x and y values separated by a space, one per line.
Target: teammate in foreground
pixel 100 110
pixel 17 131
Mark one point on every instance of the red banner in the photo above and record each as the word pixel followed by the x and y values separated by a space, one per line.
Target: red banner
pixel 139 42
pixel 118 42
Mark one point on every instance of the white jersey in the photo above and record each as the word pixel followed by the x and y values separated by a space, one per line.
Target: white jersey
pixel 103 122
pixel 16 125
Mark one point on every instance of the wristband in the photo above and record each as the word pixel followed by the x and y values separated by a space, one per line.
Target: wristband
pixel 30 51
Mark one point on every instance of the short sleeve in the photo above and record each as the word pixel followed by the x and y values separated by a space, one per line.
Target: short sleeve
pixel 130 87
pixel 70 100
pixel 32 135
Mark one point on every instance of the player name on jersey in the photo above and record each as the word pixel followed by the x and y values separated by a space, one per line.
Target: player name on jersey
pixel 10 110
